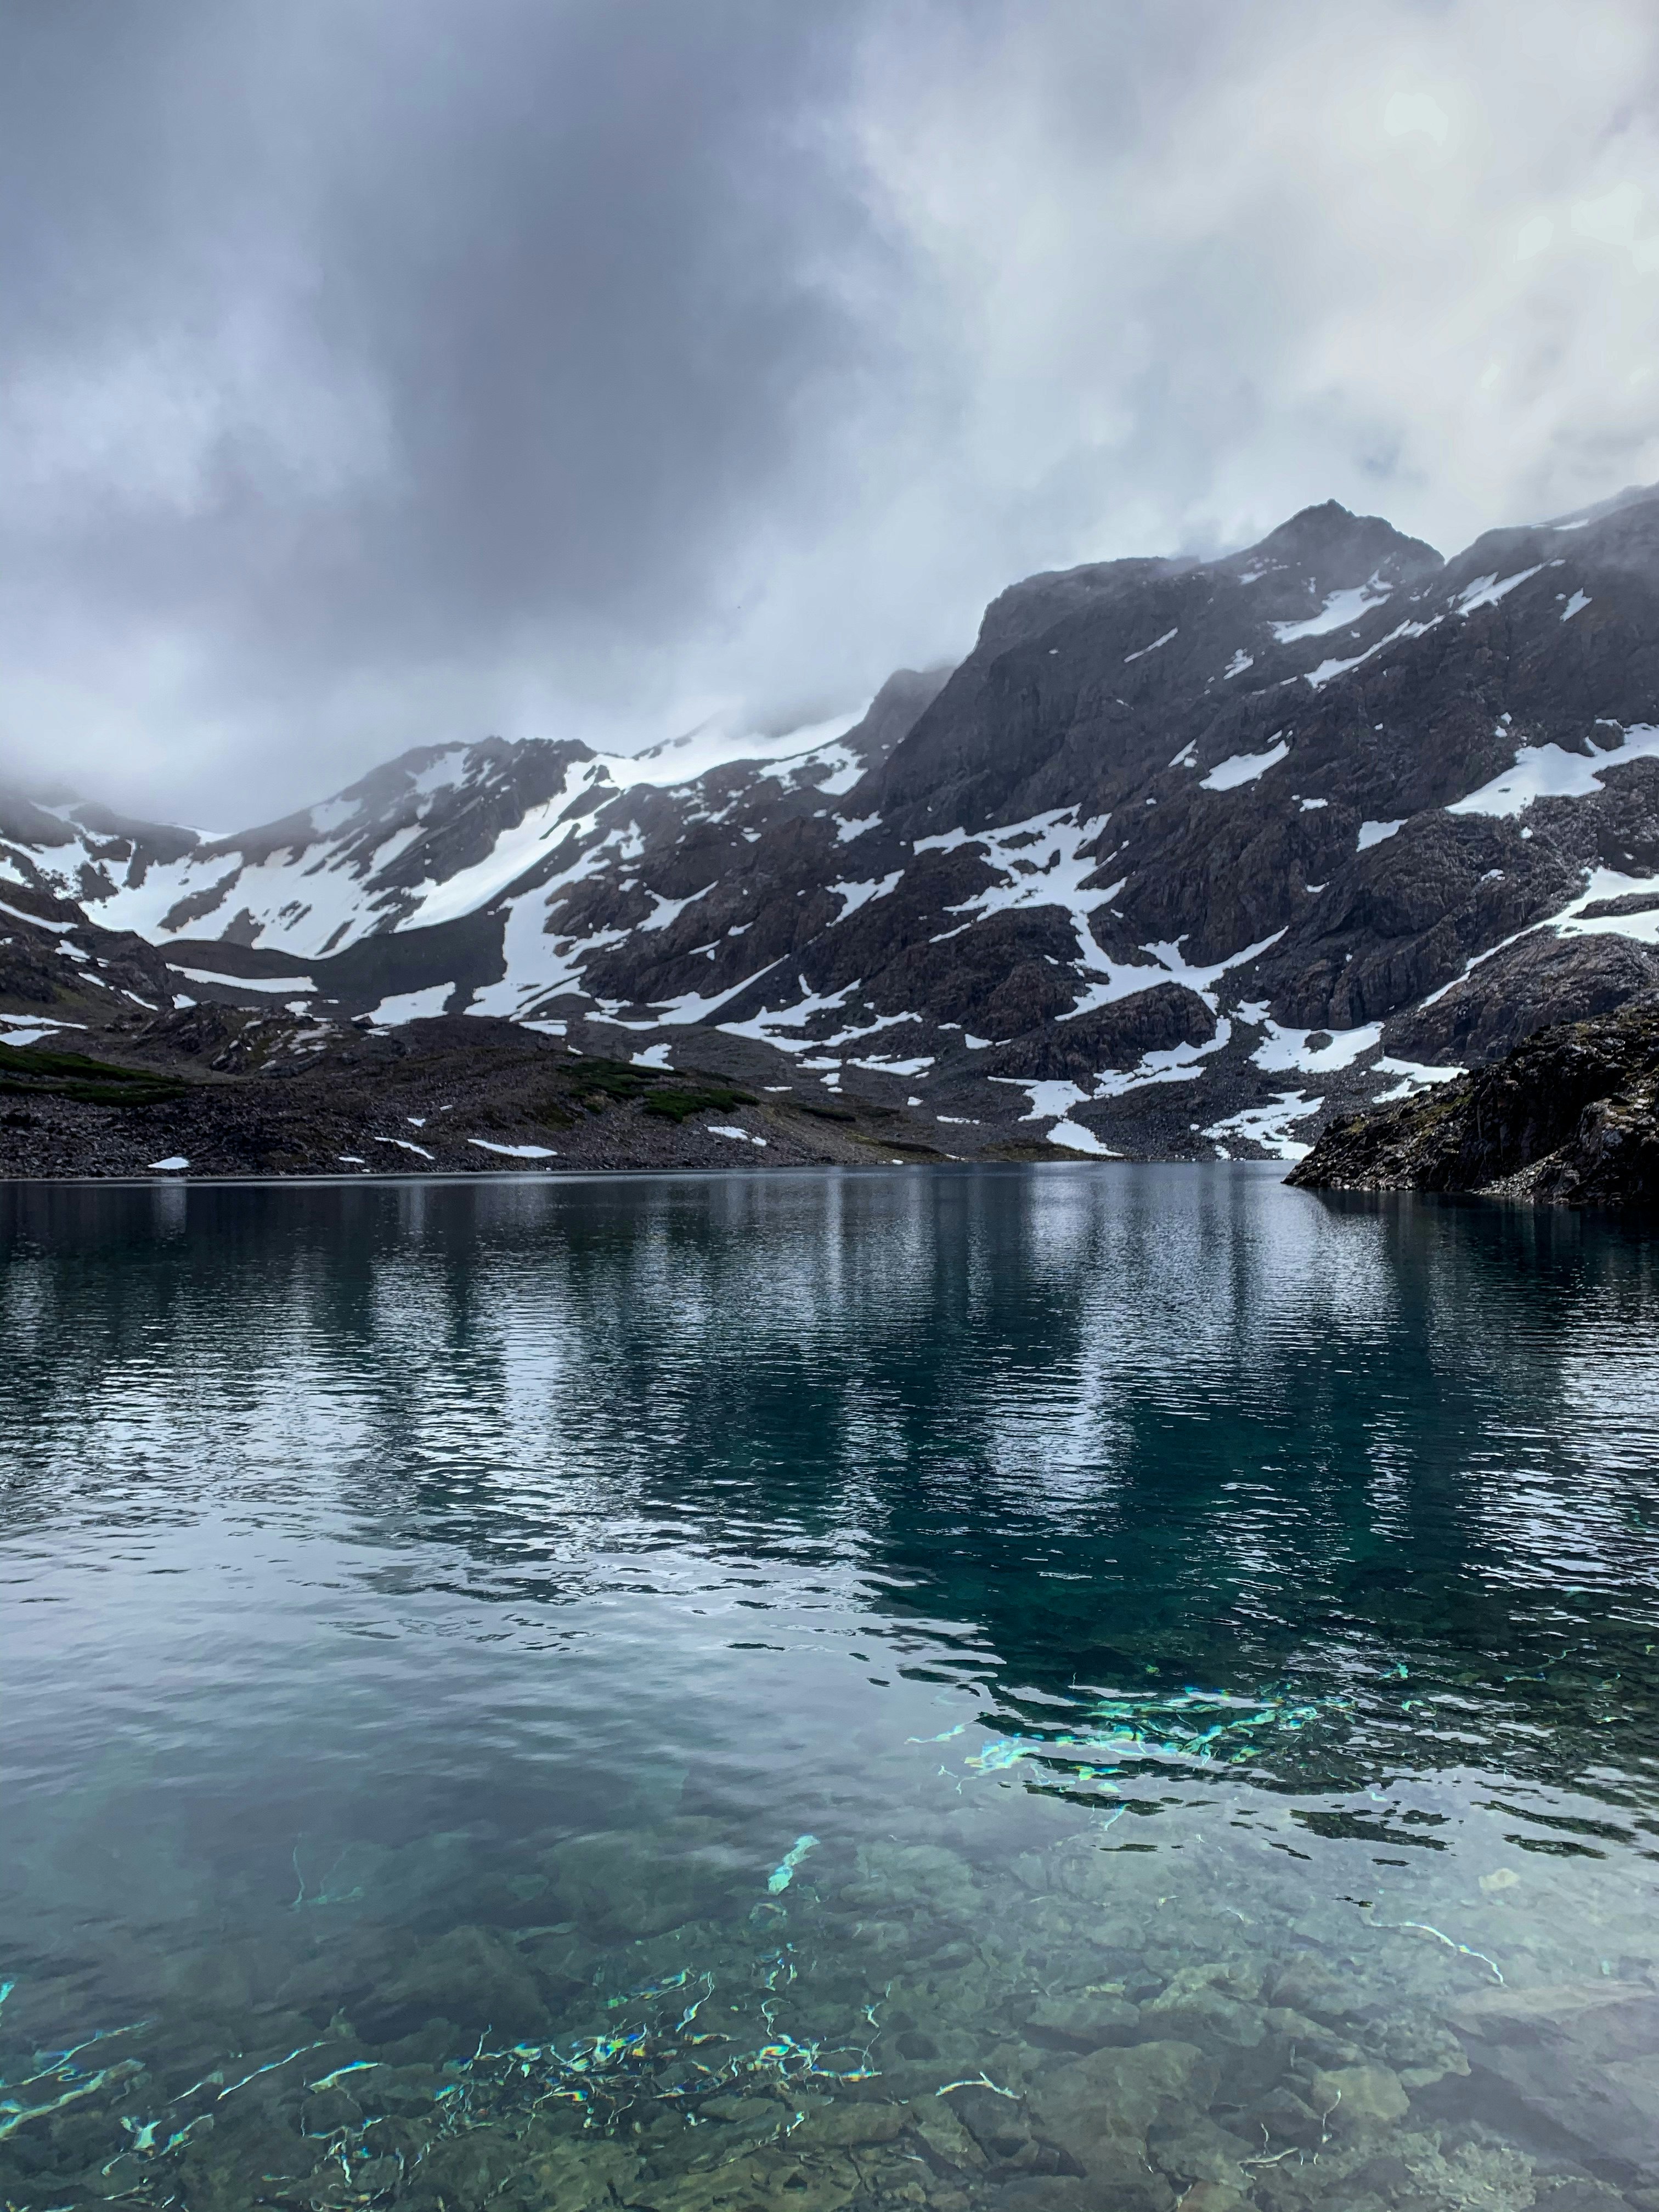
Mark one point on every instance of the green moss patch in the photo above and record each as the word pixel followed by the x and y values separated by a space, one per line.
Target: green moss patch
pixel 671 1095
pixel 614 1079
pixel 674 1103
pixel 27 1071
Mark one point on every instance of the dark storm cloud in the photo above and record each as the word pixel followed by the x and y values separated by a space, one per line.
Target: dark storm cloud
pixel 375 372
pixel 586 249
pixel 376 335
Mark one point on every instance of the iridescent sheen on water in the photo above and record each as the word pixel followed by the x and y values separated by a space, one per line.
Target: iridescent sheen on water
pixel 1056 1690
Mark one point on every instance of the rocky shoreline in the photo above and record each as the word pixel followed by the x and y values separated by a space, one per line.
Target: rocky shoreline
pixel 1570 1117
pixel 221 1091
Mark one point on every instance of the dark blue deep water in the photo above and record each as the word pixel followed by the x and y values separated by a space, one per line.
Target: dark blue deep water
pixel 1066 1688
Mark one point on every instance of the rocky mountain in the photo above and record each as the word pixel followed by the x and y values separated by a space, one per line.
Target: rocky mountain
pixel 1185 858
pixel 1571 1116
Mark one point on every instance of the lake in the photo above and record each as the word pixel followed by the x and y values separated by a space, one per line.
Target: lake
pixel 1111 1687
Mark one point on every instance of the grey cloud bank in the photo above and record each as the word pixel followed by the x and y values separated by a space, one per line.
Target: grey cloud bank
pixel 375 375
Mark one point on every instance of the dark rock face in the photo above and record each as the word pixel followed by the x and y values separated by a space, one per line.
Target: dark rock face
pixel 1186 857
pixel 1570 1115
pixel 1530 986
pixel 1117 1037
pixel 50 956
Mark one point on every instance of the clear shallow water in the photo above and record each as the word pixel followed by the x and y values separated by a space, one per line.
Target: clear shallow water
pixel 623 1691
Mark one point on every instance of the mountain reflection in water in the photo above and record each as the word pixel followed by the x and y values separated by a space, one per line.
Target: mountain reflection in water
pixel 1172 1653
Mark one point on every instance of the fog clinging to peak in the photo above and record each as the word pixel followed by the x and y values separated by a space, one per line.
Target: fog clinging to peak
pixel 376 372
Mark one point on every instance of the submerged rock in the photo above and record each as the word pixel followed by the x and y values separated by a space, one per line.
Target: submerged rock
pixel 619 1884
pixel 1086 2022
pixel 945 2135
pixel 1307 1984
pixel 1098 2109
pixel 1359 2100
pixel 579 2174
pixel 1210 2005
pixel 471 1976
pixel 1046 2192
pixel 911 1876
pixel 1193 2148
pixel 1581 2058
pixel 845 2125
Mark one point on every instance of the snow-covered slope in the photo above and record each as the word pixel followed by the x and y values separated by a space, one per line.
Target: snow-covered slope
pixel 1180 857
pixel 439 833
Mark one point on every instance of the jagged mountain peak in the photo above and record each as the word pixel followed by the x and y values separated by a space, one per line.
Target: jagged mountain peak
pixel 1331 547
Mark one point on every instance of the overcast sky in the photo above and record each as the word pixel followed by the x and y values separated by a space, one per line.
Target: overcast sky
pixel 376 373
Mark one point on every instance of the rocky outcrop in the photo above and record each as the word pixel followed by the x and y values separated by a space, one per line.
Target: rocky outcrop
pixel 1571 1116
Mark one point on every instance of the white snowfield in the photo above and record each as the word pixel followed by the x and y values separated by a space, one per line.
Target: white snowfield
pixel 16 914
pixel 1550 771
pixel 1601 885
pixel 1487 591
pixel 1414 1076
pixel 1340 611
pixel 1282 1050
pixel 1177 1063
pixel 1041 862
pixel 1270 1127
pixel 1076 1139
pixel 1328 671
pixel 411 1006
pixel 1285 1049
pixel 326 889
pixel 853 896
pixel 21 1030
pixel 1484 591
pixel 283 986
pixel 1243 768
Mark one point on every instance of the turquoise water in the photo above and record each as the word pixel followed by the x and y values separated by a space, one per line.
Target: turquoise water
pixel 1071 1688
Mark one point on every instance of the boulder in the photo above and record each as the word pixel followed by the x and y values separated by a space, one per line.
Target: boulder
pixel 1359 2100
pixel 1097 2111
pixel 471 1976
pixel 619 1886
pixel 1087 2022
pixel 1210 2005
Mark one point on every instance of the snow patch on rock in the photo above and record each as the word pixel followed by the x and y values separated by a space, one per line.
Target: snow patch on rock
pixel 1340 611
pixel 1243 768
pixel 1550 771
